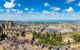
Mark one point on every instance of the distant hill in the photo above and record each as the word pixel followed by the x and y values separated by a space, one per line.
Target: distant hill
pixel 44 21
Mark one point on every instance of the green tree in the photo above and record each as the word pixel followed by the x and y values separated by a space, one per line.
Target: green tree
pixel 76 37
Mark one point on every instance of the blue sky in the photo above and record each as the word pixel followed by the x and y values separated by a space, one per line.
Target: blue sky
pixel 39 10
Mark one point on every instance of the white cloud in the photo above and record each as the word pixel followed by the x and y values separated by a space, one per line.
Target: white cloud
pixel 14 10
pixel 12 0
pixel 78 4
pixel 55 8
pixel 70 9
pixel 9 4
pixel 31 12
pixel 19 5
pixel 19 12
pixel 32 9
pixel 69 1
pixel 46 4
pixel 46 12
pixel 55 16
pixel 26 9
pixel 8 10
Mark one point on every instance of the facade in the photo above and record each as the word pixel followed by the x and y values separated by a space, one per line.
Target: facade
pixel 9 28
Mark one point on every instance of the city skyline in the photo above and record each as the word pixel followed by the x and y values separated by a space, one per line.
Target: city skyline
pixel 22 10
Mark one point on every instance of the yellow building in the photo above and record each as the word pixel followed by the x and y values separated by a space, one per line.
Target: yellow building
pixel 10 30
pixel 29 36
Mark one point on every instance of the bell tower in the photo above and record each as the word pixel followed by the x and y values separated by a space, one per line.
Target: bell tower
pixel 8 24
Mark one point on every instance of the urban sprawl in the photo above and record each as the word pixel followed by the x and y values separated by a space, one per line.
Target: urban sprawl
pixel 39 35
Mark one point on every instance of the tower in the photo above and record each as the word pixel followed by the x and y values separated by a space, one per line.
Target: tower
pixel 8 24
